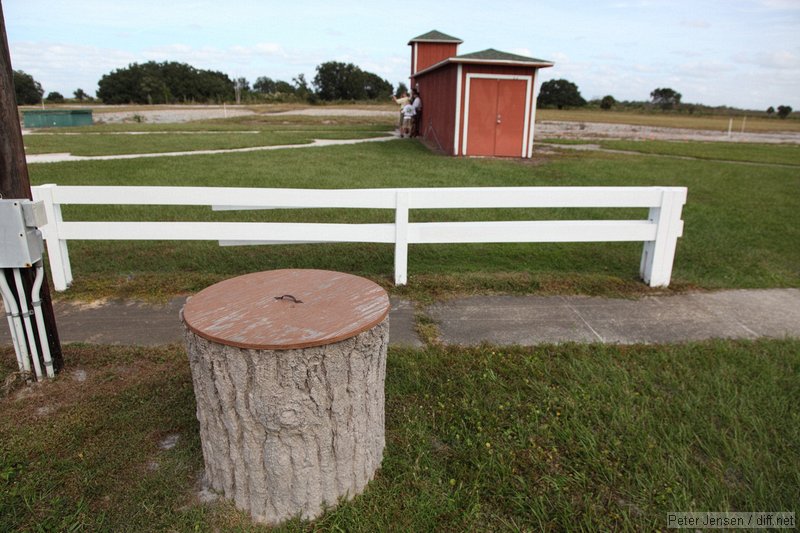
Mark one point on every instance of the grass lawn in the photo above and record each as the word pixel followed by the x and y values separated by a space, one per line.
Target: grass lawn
pixel 742 222
pixel 578 437
pixel 586 437
pixel 241 132
pixel 177 142
pixel 259 122
pixel 781 154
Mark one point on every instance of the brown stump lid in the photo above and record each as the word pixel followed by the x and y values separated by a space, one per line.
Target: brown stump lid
pixel 286 309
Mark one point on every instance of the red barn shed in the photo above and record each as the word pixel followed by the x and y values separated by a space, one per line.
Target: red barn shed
pixel 479 104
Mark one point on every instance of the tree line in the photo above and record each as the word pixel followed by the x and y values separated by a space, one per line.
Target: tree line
pixel 563 94
pixel 171 82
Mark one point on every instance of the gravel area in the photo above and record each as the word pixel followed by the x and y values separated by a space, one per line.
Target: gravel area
pixel 338 112
pixel 165 116
pixel 600 131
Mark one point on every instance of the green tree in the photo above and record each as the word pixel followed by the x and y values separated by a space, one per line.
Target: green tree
pixel 80 95
pixel 375 87
pixel 607 102
pixel 162 83
pixel 770 110
pixel 265 85
pixel 665 98
pixel 302 89
pixel 345 81
pixel 154 88
pixel 55 97
pixel 560 94
pixel 284 87
pixel 27 90
pixel 784 111
pixel 402 88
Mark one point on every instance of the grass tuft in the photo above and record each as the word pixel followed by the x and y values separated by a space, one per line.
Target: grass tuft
pixel 547 438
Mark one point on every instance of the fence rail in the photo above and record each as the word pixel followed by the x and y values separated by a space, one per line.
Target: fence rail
pixel 659 231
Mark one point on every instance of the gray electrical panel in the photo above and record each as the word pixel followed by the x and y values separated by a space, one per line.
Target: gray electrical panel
pixel 21 243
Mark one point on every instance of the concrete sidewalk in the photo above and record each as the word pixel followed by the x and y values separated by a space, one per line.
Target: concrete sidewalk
pixel 501 320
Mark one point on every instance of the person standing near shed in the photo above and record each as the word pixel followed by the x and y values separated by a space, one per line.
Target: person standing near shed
pixel 407 123
pixel 416 102
pixel 402 102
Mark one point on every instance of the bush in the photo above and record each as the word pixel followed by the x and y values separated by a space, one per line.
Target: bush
pixel 560 94
pixel 55 97
pixel 666 98
pixel 607 102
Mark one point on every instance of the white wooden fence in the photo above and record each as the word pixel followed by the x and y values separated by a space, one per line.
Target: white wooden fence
pixel 659 231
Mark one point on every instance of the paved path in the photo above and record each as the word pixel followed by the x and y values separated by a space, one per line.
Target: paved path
pixel 501 320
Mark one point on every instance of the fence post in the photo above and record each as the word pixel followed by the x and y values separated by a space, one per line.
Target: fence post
pixel 401 238
pixel 57 251
pixel 658 255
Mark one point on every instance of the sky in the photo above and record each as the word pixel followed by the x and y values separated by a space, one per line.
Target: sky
pixel 741 53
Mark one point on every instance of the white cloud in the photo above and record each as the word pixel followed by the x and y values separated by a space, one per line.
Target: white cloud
pixel 778 59
pixel 788 5
pixel 695 23
pixel 65 67
pixel 704 69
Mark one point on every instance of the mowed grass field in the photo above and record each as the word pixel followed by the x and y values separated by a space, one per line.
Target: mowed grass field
pixel 741 219
pixel 487 438
pixel 241 132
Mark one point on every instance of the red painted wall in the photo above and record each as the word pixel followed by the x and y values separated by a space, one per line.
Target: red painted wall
pixel 438 92
pixel 431 53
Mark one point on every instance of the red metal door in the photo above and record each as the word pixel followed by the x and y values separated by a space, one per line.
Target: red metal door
pixel 482 109
pixel 510 128
pixel 496 117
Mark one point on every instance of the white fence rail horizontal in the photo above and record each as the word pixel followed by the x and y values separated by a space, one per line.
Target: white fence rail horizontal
pixel 659 231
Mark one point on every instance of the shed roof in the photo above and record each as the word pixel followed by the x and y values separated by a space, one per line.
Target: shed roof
pixel 435 36
pixel 490 56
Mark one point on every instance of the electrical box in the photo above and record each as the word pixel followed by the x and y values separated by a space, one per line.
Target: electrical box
pixel 21 243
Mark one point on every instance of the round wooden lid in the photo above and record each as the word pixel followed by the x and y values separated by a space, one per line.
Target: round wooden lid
pixel 286 309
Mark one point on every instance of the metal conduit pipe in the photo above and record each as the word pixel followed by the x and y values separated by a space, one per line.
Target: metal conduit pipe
pixel 17 333
pixel 26 317
pixel 10 316
pixel 36 300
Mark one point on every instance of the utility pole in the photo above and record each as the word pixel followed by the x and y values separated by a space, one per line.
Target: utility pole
pixel 14 181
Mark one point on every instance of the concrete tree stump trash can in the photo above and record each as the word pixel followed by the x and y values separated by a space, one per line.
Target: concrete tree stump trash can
pixel 288 369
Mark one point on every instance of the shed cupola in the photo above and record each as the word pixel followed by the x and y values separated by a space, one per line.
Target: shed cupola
pixel 431 48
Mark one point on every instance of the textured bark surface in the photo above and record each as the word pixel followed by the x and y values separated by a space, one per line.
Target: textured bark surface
pixel 14 182
pixel 289 432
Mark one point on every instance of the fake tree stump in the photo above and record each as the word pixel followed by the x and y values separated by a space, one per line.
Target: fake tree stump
pixel 288 369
